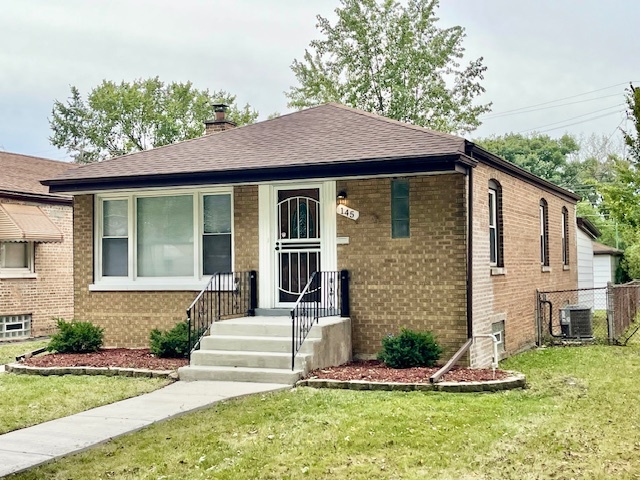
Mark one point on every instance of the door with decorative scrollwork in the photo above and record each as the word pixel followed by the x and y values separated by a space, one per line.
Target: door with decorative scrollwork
pixel 298 241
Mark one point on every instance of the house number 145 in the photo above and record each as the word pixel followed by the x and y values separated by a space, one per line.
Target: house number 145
pixel 348 212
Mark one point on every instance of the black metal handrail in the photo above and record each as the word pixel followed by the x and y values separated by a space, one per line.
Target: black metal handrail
pixel 226 294
pixel 326 294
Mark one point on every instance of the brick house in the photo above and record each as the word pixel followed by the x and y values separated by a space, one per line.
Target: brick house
pixel 436 233
pixel 36 248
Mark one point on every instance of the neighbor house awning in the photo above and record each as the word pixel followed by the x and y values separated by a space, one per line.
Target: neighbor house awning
pixel 26 223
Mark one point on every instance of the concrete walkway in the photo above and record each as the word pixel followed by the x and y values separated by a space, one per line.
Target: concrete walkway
pixel 28 447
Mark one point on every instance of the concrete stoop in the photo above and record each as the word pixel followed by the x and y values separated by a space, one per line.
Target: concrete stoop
pixel 258 349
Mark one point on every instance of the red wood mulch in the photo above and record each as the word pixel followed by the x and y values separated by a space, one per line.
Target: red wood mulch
pixel 108 357
pixel 375 371
pixel 371 370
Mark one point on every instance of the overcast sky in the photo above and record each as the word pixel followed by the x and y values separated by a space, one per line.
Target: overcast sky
pixel 536 52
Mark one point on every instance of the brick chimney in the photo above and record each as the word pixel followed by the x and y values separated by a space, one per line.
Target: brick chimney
pixel 220 122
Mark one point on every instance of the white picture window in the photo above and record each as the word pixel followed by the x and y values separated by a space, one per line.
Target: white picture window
pixel 165 236
pixel 174 239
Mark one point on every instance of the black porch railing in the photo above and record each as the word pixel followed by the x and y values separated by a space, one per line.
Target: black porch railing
pixel 326 294
pixel 227 294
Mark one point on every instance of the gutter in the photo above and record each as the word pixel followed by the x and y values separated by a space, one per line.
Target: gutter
pixel 36 197
pixel 385 166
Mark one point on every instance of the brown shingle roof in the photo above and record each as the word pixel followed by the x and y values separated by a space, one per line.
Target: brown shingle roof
pixel 600 249
pixel 23 173
pixel 322 135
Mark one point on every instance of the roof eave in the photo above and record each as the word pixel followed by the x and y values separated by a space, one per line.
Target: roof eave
pixel 493 160
pixel 36 197
pixel 386 166
pixel 588 227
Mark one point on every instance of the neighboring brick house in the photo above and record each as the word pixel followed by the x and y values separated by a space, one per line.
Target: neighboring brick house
pixel 36 248
pixel 151 227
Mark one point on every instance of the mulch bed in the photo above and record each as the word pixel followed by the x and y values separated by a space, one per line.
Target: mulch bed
pixel 375 371
pixel 108 357
pixel 369 370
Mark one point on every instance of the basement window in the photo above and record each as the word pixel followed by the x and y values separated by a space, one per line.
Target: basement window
pixel 15 326
pixel 497 329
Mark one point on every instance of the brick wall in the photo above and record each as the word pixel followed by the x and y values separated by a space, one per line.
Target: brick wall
pixel 417 282
pixel 511 296
pixel 50 294
pixel 245 226
pixel 128 316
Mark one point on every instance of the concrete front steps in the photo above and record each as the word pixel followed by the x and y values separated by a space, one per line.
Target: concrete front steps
pixel 258 349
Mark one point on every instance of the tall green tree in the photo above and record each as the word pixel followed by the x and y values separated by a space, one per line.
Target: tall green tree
pixel 622 196
pixel 540 154
pixel 116 119
pixel 392 59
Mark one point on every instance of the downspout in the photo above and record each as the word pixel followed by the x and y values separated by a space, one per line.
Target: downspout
pixel 470 255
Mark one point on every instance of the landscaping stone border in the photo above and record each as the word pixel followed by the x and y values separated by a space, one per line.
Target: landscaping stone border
pixel 516 380
pixel 108 371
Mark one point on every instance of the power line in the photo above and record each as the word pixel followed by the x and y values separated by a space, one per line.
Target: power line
pixel 578 123
pixel 559 99
pixel 552 106
pixel 573 118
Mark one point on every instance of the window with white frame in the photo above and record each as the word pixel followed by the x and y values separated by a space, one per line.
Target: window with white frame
pixel 216 234
pixel 544 233
pixel 16 257
pixel 497 329
pixel 177 237
pixel 565 236
pixel 496 258
pixel 115 238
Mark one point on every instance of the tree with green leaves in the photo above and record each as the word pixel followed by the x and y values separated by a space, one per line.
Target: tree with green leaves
pixel 539 154
pixel 116 119
pixel 621 197
pixel 391 58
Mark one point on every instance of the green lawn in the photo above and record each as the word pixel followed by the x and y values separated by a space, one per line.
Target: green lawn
pixel 31 399
pixel 10 350
pixel 579 419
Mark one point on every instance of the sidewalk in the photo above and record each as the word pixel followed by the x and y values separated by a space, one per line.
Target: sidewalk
pixel 28 447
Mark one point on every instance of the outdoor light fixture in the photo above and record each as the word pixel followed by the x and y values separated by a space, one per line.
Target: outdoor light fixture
pixel 342 197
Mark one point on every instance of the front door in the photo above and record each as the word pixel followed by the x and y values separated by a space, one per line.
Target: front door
pixel 297 241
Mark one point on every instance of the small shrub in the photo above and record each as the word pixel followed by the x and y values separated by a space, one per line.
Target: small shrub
pixel 172 344
pixel 410 349
pixel 76 337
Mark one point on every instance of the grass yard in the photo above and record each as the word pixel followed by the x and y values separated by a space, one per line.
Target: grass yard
pixel 579 419
pixel 10 350
pixel 30 399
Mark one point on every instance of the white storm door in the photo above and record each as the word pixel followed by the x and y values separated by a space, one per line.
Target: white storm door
pixel 298 241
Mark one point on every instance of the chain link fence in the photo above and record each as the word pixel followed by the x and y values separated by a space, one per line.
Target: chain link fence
pixel 601 315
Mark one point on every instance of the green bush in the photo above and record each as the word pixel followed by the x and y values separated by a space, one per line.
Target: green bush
pixel 173 344
pixel 76 337
pixel 410 349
